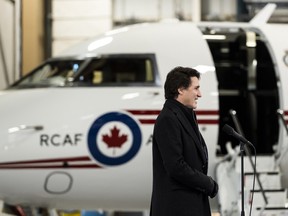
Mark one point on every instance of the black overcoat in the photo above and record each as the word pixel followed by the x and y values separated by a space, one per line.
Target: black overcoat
pixel 180 182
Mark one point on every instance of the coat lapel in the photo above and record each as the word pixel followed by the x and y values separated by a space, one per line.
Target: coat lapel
pixel 188 127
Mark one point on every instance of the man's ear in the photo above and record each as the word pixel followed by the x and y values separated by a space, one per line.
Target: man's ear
pixel 180 90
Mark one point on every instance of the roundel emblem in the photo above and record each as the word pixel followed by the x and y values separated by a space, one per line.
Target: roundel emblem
pixel 114 138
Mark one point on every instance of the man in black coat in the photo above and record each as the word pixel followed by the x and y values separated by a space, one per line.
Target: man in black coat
pixel 180 158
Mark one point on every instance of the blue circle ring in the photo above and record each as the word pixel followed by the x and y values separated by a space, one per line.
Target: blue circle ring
pixel 94 130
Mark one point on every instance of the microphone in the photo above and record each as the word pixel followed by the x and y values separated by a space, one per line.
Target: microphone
pixel 230 131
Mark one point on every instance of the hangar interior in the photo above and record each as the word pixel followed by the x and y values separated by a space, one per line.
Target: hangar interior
pixel 35 30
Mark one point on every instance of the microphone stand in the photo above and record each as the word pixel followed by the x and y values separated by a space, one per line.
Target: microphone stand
pixel 242 178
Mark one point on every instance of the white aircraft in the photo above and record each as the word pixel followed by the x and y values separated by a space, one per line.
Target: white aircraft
pixel 76 132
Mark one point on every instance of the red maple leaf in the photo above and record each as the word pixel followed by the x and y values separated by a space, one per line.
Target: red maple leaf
pixel 114 140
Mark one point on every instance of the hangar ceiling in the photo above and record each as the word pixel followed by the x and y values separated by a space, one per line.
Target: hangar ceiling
pixel 280 15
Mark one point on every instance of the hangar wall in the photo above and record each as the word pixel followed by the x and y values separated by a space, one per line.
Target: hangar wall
pixel 9 42
pixel 33 34
pixel 71 21
pixel 77 20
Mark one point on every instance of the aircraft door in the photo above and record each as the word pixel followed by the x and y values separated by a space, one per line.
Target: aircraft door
pixel 247 83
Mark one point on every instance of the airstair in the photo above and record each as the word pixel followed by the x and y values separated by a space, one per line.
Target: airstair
pixel 229 178
pixel 264 194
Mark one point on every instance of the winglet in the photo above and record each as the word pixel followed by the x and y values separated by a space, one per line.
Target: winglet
pixel 263 15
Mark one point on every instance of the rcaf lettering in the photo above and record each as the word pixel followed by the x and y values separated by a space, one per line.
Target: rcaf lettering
pixel 150 139
pixel 60 140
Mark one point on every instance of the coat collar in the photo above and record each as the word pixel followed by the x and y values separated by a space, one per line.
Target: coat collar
pixel 175 108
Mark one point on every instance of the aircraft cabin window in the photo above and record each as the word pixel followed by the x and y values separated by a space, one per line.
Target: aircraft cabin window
pixel 118 70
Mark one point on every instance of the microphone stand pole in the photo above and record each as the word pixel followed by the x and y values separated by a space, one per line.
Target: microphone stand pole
pixel 242 178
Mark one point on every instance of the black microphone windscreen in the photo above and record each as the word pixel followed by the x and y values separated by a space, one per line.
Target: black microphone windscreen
pixel 228 130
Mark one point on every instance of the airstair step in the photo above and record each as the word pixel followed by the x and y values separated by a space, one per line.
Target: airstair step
pixel 273 208
pixel 275 198
pixel 269 180
pixel 271 211
pixel 263 164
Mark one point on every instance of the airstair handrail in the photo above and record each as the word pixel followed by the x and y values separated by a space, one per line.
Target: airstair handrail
pixel 236 122
pixel 281 116
pixel 280 153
